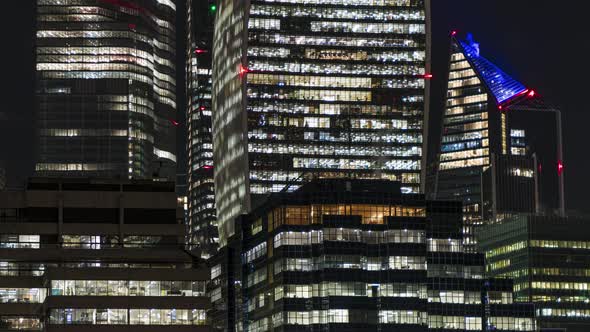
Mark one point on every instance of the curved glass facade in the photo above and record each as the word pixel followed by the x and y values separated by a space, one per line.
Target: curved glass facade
pixel 106 83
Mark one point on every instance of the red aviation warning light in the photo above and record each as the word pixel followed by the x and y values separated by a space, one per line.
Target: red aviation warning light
pixel 243 70
pixel 200 51
pixel 560 167
pixel 428 76
pixel 531 94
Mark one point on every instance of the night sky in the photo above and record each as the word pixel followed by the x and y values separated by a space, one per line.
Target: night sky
pixel 540 43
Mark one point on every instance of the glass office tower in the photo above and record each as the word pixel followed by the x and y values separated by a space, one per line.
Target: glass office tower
pixel 493 121
pixel 316 89
pixel 106 88
pixel 202 217
pixel 548 258
pixel 345 255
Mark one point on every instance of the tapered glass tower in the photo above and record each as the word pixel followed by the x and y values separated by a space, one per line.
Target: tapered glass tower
pixel 316 89
pixel 501 148
pixel 106 88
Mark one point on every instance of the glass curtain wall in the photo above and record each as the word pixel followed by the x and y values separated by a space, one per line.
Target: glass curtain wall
pixel 105 79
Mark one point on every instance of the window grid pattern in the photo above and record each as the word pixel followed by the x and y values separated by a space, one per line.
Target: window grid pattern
pixel 310 277
pixel 88 51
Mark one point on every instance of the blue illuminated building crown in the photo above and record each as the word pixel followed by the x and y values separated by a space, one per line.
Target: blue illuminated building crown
pixel 501 85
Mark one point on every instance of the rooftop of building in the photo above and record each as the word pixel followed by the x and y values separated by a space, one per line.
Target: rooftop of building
pixel 549 227
pixel 93 199
pixel 351 185
pixel 349 191
pixel 98 184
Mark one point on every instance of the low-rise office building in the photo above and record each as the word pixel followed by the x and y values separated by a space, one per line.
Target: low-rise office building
pixel 549 260
pixel 78 255
pixel 345 255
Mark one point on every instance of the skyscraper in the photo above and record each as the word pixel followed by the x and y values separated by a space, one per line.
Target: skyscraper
pixel 495 125
pixel 316 89
pixel 201 199
pixel 106 88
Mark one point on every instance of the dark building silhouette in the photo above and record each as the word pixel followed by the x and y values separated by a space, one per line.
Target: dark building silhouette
pixel 2 176
pixel 354 255
pixel 497 132
pixel 509 187
pixel 95 255
pixel 106 89
pixel 201 192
